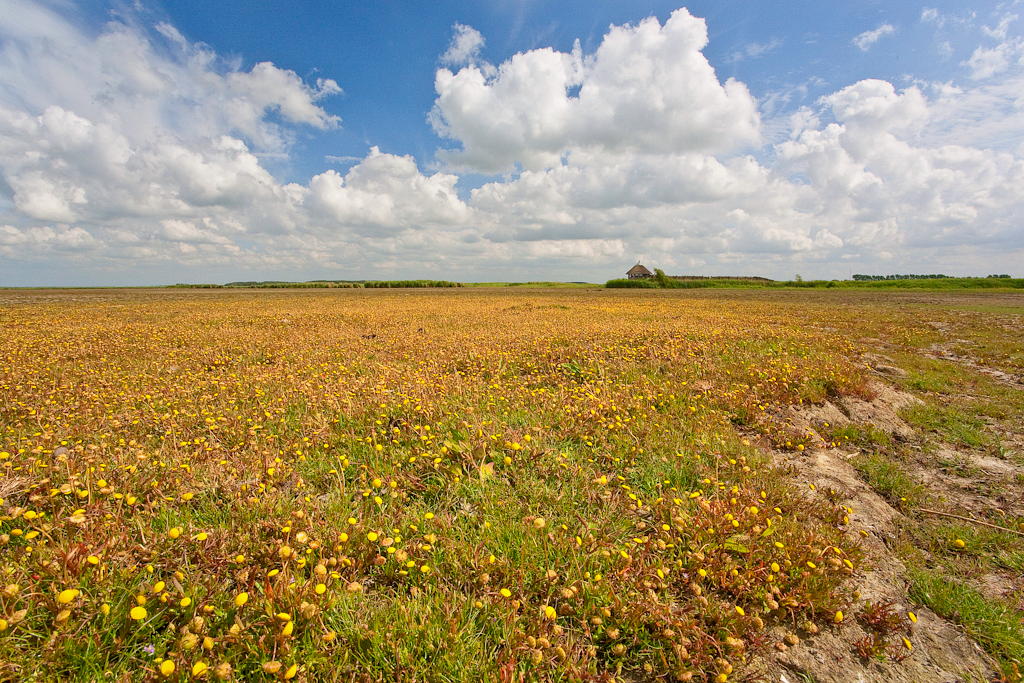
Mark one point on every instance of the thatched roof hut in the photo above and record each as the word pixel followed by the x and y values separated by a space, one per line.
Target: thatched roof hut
pixel 638 272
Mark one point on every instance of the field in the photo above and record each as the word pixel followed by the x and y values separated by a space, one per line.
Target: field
pixel 511 484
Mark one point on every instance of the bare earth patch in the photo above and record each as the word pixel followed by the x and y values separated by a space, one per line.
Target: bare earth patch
pixel 941 651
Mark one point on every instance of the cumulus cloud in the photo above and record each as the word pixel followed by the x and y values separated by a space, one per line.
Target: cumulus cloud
pixel 132 146
pixel 647 87
pixel 464 47
pixel 865 40
pixel 151 145
pixel 386 192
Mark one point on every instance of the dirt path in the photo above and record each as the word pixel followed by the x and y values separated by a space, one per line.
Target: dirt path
pixel 944 350
pixel 939 650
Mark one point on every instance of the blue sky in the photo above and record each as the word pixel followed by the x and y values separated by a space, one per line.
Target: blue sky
pixel 384 54
pixel 144 143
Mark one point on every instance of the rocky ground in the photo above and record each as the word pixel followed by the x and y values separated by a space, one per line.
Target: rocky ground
pixel 931 468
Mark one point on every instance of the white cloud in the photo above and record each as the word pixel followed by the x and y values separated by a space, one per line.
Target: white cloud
pixel 162 143
pixel 637 91
pixel 932 15
pixel 130 147
pixel 1001 29
pixel 987 62
pixel 877 185
pixel 386 192
pixel 865 40
pixel 754 50
pixel 464 47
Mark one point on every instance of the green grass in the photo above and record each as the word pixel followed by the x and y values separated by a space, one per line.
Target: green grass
pixel 544 284
pixel 984 547
pixel 953 283
pixel 995 625
pixel 951 423
pixel 935 376
pixel 950 283
pixel 670 283
pixel 889 479
pixel 866 437
pixel 333 284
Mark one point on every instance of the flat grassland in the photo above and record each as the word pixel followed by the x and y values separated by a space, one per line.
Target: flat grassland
pixel 511 484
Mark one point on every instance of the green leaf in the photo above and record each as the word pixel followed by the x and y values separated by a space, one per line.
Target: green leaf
pixel 733 543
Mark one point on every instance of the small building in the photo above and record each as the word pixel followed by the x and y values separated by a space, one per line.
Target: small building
pixel 638 272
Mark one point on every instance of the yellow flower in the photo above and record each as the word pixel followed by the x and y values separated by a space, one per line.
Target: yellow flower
pixel 959 543
pixel 912 617
pixel 138 613
pixel 199 668
pixel 372 536
pixel 292 670
pixel 202 536
pixel 66 596
pixel 775 567
pixel 166 667
pixel 425 569
pixel 320 589
pixel 839 617
pixel 93 560
pixel 550 612
pixel 241 599
pixel 739 611
pixel 185 602
pixel 175 532
pixel 506 592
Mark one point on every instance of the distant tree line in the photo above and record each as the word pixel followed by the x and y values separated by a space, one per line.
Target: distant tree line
pixel 338 284
pixel 999 276
pixel 933 276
